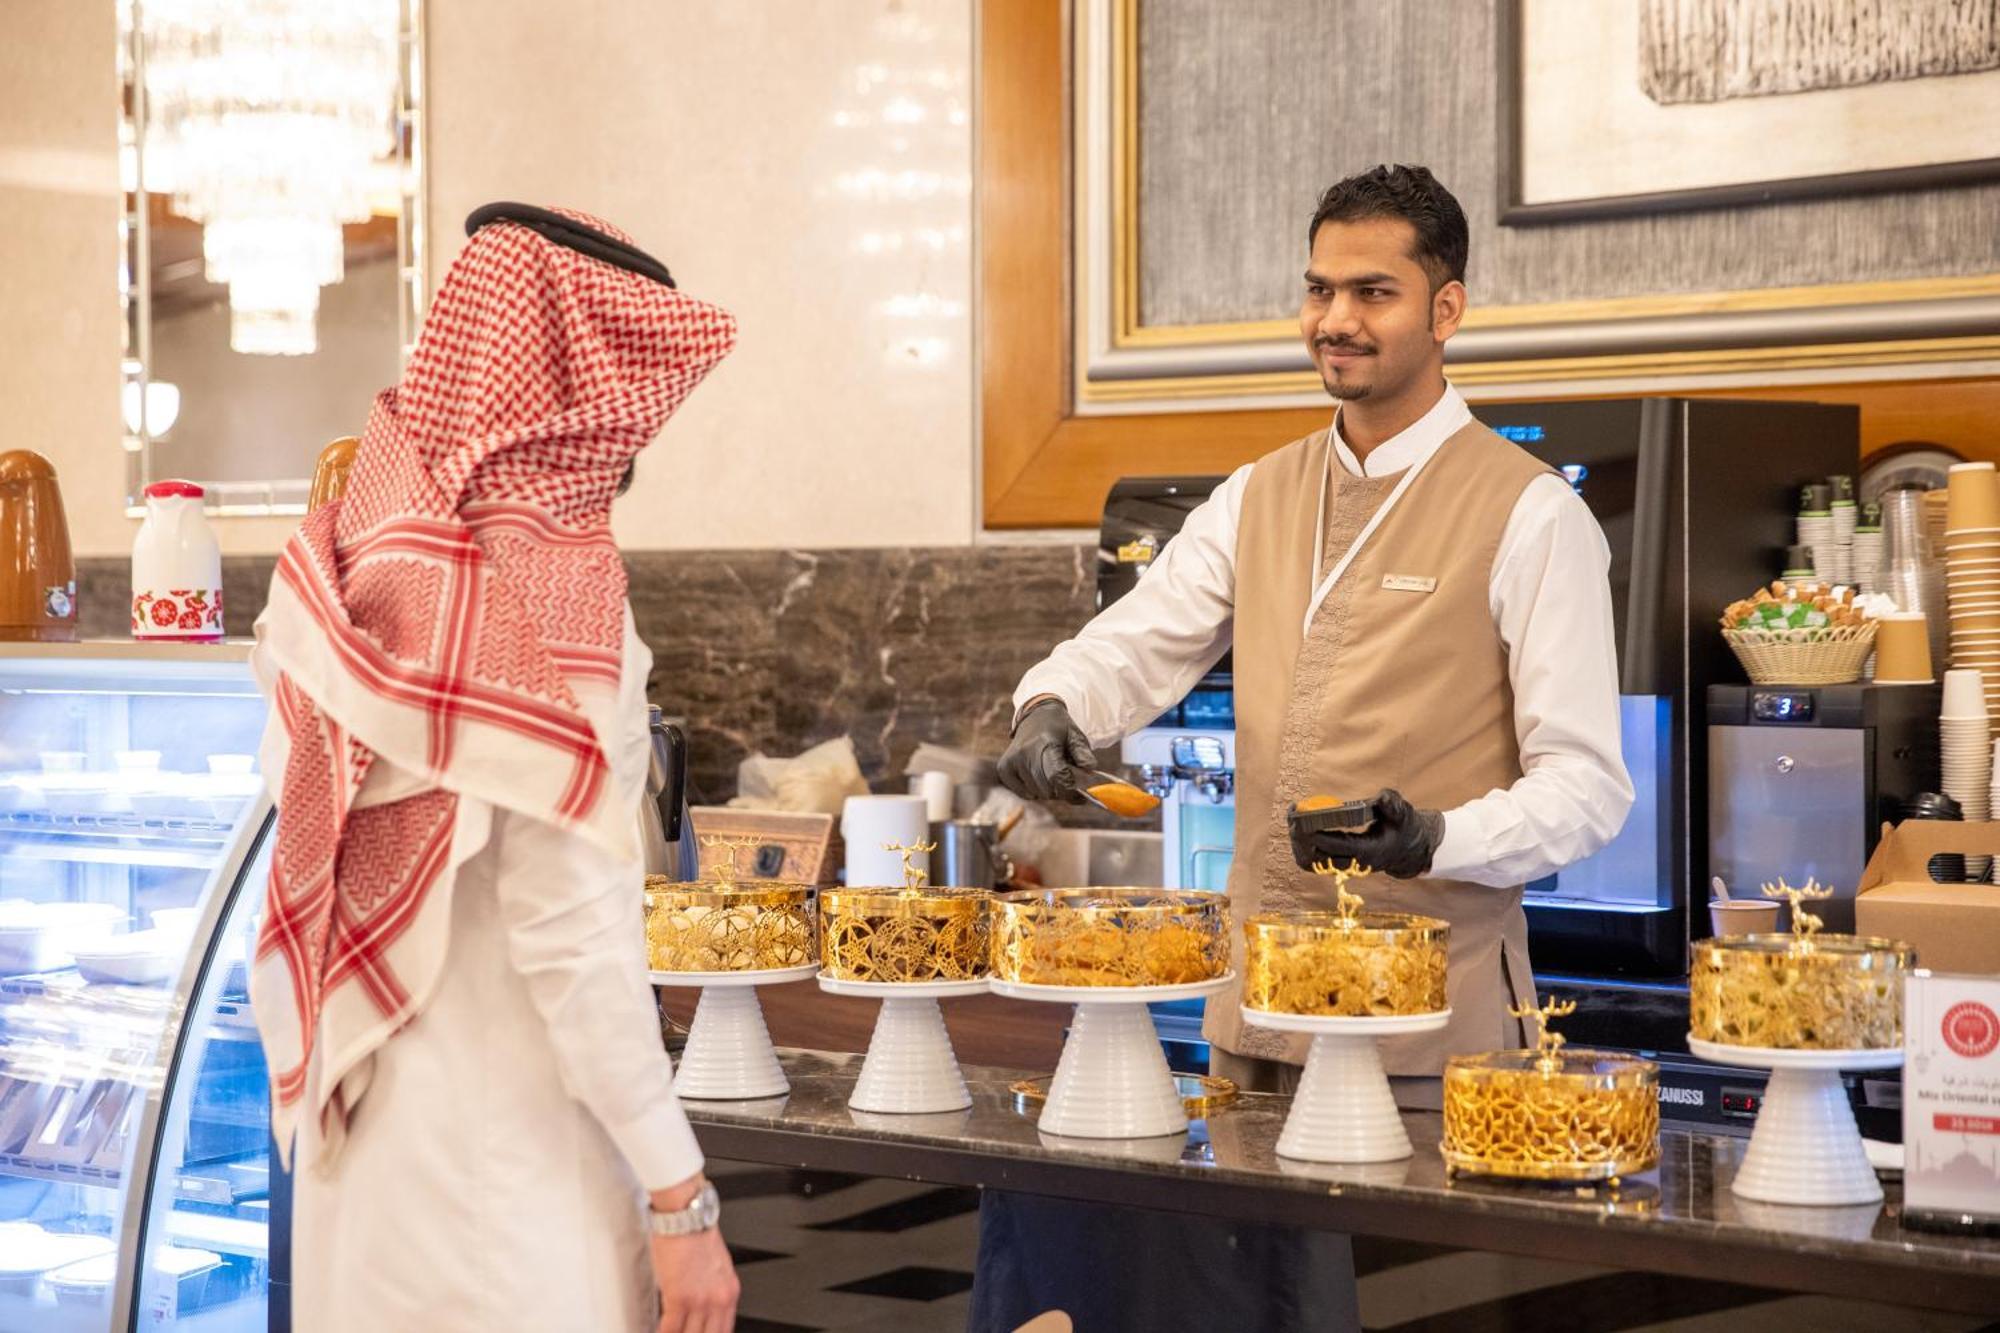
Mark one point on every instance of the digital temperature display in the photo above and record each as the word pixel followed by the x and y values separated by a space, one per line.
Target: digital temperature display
pixel 1771 707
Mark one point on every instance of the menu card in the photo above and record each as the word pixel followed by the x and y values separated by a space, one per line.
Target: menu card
pixel 1951 1094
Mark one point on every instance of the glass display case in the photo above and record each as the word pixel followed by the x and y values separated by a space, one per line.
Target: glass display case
pixel 134 1119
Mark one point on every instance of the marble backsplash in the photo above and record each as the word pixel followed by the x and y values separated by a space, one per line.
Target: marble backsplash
pixel 774 651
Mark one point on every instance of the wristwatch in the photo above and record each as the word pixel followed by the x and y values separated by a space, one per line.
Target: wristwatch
pixel 701 1214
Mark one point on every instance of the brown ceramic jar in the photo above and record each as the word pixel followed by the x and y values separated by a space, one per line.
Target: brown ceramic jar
pixel 330 473
pixel 37 573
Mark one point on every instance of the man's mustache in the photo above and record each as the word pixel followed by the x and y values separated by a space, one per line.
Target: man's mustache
pixel 1329 345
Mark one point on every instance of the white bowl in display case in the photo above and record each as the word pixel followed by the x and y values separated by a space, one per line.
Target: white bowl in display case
pixel 27 1252
pixel 21 792
pixel 89 1281
pixel 39 937
pixel 142 958
pixel 71 794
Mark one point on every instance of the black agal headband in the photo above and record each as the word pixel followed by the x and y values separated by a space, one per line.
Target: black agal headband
pixel 567 231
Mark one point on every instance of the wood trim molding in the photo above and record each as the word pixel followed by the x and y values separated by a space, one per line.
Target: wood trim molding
pixel 1042 466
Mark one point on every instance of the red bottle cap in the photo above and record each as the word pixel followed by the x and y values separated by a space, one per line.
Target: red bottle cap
pixel 185 490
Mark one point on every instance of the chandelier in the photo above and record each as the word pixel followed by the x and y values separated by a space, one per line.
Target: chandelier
pixel 268 116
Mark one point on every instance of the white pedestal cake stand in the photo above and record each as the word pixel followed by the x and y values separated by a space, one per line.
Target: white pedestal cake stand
pixel 1806 1148
pixel 1112 1081
pixel 910 1068
pixel 729 1056
pixel 1343 1110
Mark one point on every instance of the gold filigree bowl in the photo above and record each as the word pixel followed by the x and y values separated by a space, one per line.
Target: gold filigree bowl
pixel 1572 1115
pixel 1834 993
pixel 905 935
pixel 1370 965
pixel 744 926
pixel 1110 937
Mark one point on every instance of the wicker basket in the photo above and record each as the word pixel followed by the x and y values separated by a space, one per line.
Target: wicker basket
pixel 1832 655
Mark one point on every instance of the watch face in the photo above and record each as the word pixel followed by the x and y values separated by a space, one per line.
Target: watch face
pixel 701 1213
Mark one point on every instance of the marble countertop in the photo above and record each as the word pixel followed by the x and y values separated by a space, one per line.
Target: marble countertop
pixel 1679 1218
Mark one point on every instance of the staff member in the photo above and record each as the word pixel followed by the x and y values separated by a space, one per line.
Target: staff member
pixel 1418 608
pixel 450 977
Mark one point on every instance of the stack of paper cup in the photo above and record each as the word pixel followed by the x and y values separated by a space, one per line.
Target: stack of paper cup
pixel 1934 519
pixel 1972 574
pixel 1903 650
pixel 1868 549
pixel 1966 742
pixel 1993 875
pixel 1816 530
pixel 1845 519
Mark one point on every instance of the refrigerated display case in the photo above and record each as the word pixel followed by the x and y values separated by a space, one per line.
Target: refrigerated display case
pixel 135 1174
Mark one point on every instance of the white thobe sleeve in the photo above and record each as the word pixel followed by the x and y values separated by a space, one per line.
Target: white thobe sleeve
pixel 1143 653
pixel 574 933
pixel 1551 600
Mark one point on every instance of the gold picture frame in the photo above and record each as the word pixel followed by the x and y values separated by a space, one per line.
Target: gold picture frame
pixel 1047 458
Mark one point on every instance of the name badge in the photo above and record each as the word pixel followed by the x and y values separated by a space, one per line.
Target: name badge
pixel 1408 583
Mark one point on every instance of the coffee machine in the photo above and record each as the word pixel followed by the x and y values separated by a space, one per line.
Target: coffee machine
pixel 1802 778
pixel 1696 498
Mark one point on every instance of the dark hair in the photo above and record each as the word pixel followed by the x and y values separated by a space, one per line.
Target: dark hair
pixel 1409 193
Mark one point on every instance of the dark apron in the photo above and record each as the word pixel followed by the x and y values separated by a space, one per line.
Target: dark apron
pixel 1115 1269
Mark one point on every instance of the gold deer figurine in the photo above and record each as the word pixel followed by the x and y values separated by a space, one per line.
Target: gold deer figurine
pixel 1547 1041
pixel 1804 924
pixel 913 878
pixel 725 866
pixel 1348 904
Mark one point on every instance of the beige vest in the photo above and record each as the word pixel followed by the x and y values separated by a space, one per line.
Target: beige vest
pixel 1393 687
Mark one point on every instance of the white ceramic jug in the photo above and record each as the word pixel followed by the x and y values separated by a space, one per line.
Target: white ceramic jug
pixel 176 568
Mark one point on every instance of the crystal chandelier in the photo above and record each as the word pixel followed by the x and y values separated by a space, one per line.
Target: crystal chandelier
pixel 267 116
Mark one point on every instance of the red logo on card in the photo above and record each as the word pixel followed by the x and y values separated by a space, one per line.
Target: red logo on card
pixel 1971 1029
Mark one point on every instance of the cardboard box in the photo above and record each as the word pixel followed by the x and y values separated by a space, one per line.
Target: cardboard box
pixel 1953 927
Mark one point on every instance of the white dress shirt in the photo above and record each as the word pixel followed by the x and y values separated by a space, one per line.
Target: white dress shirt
pixel 1551 602
pixel 493 1174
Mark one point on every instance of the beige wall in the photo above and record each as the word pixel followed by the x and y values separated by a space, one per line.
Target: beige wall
pixel 712 133
pixel 59 320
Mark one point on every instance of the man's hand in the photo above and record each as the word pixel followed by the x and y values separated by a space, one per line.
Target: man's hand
pixel 1401 841
pixel 698 1285
pixel 1038 765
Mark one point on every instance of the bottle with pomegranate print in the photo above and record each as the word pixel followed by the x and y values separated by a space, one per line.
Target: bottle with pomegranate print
pixel 176 568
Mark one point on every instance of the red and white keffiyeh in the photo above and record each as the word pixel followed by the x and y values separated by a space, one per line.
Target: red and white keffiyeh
pixel 459 612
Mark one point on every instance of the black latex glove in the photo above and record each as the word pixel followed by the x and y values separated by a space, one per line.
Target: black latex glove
pixel 1401 841
pixel 1038 765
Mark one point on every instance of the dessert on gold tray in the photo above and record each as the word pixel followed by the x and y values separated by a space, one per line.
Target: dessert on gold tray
pixel 1550 1113
pixel 1802 991
pixel 726 925
pixel 1110 937
pixel 913 934
pixel 1347 962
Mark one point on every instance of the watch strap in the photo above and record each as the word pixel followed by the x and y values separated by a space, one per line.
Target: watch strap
pixel 702 1213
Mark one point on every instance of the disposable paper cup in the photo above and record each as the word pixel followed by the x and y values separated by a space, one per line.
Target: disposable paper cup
pixel 1730 917
pixel 1902 648
pixel 1972 497
pixel 1963 694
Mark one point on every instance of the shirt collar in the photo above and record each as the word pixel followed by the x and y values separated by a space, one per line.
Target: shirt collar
pixel 1411 445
